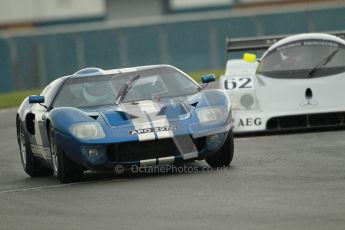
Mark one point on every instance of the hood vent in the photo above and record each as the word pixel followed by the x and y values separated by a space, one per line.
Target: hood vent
pixel 194 104
pixel 94 117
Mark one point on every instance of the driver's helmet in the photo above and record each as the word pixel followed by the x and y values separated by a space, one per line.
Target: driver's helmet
pixel 286 54
pixel 97 91
pixel 295 53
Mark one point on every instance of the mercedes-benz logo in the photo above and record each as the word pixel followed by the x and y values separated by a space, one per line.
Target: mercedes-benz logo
pixel 309 102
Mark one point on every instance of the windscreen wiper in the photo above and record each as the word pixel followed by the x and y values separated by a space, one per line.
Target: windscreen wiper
pixel 125 89
pixel 322 63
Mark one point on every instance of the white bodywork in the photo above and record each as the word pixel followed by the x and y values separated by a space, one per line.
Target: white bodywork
pixel 278 97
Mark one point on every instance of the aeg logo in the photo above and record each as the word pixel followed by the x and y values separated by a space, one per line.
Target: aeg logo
pixel 250 122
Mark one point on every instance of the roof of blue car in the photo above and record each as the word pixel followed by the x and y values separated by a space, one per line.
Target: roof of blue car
pixel 94 71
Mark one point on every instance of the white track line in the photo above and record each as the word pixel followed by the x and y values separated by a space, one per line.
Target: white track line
pixel 58 186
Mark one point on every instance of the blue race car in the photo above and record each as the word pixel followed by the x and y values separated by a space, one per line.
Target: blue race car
pixel 100 119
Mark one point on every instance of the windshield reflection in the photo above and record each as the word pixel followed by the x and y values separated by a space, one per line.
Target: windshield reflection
pixel 296 59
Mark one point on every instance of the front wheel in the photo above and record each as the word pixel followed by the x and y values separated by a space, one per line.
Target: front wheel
pixel 225 154
pixel 64 168
pixel 31 164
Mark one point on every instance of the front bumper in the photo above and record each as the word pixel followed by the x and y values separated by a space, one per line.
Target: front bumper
pixel 257 121
pixel 141 153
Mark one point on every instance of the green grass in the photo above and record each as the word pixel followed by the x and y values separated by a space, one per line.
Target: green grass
pixel 197 75
pixel 14 99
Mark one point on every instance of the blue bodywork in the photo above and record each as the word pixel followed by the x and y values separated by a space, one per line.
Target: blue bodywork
pixel 124 143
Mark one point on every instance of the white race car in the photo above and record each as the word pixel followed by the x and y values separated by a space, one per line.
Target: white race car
pixel 298 83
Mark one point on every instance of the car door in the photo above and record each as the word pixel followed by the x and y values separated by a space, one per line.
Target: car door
pixel 40 111
pixel 41 139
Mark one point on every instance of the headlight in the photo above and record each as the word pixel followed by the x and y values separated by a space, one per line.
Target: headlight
pixel 87 130
pixel 212 114
pixel 96 154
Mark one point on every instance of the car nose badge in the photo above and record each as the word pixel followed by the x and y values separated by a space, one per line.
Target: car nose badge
pixel 309 102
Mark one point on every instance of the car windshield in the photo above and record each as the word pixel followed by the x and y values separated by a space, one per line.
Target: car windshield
pixel 297 59
pixel 163 82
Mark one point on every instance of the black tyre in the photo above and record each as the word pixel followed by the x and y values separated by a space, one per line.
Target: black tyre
pixel 31 164
pixel 65 169
pixel 224 156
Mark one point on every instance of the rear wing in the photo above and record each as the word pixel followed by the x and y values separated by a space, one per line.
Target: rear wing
pixel 261 43
pixel 246 44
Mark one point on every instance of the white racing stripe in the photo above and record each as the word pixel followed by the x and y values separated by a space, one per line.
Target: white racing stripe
pixel 149 107
pixel 162 160
pixel 146 111
pixel 186 147
pixel 141 122
pixel 185 144
pixel 148 162
pixel 166 160
pixel 162 121
pixel 152 109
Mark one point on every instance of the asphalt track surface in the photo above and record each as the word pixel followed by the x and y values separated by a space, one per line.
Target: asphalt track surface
pixel 294 181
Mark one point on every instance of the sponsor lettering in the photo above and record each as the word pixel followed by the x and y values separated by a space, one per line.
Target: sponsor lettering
pixel 308 43
pixel 250 122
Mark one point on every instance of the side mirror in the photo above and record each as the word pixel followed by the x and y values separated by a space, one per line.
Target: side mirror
pixel 208 78
pixel 249 57
pixel 36 99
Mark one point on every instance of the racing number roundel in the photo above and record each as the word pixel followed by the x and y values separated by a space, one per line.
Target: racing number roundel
pixel 238 83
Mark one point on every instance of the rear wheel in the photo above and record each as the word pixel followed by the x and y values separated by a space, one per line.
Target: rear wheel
pixel 64 168
pixel 31 164
pixel 225 154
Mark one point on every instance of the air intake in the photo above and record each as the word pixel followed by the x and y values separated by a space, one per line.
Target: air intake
pixel 92 71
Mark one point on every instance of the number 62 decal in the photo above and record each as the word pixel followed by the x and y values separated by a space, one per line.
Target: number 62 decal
pixel 239 83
